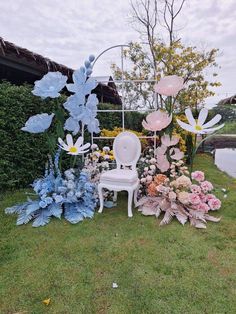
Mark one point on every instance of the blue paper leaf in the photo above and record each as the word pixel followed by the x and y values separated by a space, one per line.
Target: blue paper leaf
pixel 71 214
pixel 16 209
pixel 42 218
pixel 109 204
pixel 32 207
pixel 55 210
pixel 23 218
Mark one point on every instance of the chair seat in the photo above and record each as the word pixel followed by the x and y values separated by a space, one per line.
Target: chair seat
pixel 119 175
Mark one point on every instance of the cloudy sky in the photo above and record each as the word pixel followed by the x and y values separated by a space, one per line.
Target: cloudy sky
pixel 68 31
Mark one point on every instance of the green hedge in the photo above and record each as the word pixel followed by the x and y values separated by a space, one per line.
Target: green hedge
pixel 23 155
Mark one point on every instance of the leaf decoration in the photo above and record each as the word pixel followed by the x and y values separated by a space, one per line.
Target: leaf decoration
pixel 212 218
pixel 167 218
pixel 42 219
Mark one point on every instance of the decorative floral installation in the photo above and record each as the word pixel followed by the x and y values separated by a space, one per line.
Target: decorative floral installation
pixel 169 85
pixel 181 197
pixel 71 195
pixel 82 105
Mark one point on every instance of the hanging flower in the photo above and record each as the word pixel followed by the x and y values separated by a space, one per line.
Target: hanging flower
pixel 38 123
pixel 199 126
pixel 74 149
pixel 50 85
pixel 157 120
pixel 169 85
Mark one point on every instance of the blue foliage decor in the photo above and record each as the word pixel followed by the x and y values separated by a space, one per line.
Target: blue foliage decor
pixel 71 194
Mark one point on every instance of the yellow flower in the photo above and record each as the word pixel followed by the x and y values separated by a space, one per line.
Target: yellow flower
pixel 47 301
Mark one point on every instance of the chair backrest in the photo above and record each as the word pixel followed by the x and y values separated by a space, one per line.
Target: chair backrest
pixel 127 149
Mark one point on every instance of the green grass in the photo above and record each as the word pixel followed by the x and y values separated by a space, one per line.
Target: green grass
pixel 229 128
pixel 171 269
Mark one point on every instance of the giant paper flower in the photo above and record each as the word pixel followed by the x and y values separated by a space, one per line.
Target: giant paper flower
pixel 81 86
pixel 169 85
pixel 38 123
pixel 199 126
pixel 157 120
pixel 50 85
pixel 71 148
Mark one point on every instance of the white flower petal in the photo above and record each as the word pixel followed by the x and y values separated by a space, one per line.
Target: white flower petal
pixel 83 147
pixel 187 127
pixel 62 144
pixel 211 130
pixel 212 122
pixel 69 140
pixel 202 116
pixel 79 142
pixel 190 117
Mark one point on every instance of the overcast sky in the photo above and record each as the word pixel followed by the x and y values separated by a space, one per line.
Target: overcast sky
pixel 68 31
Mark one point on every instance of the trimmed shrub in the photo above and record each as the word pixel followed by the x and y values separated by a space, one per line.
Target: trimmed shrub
pixel 23 155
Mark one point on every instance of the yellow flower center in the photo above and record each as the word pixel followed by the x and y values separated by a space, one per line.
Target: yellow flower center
pixel 198 127
pixel 73 149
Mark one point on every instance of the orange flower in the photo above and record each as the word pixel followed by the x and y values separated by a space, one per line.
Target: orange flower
pixel 152 189
pixel 160 179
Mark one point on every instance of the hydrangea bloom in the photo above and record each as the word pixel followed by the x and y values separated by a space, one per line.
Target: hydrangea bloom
pixel 38 123
pixel 50 85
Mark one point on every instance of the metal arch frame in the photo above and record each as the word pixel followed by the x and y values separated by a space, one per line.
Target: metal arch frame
pixel 123 81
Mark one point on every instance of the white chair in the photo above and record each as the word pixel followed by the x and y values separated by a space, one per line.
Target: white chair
pixel 127 150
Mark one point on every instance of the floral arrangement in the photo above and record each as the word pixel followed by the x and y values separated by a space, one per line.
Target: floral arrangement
pixel 166 184
pixel 181 197
pixel 71 195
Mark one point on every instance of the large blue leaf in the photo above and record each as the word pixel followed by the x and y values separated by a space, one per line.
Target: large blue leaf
pixel 23 218
pixel 16 209
pixel 71 214
pixel 55 210
pixel 32 207
pixel 42 218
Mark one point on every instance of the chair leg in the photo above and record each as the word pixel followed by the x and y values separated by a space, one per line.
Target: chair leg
pixel 115 196
pixel 100 198
pixel 136 196
pixel 130 199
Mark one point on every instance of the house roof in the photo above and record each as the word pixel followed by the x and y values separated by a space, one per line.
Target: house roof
pixel 228 101
pixel 19 65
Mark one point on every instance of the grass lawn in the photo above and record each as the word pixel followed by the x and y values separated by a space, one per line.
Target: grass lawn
pixel 171 269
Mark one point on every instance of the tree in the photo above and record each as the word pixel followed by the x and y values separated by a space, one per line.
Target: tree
pixel 156 57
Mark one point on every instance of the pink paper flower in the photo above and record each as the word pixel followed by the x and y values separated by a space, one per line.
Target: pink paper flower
pixel 167 141
pixel 157 120
pixel 163 163
pixel 194 199
pixel 195 189
pixel 169 85
pixel 203 207
pixel 206 186
pixel 176 154
pixel 198 176
pixel 214 204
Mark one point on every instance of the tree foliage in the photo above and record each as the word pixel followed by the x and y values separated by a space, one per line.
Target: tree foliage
pixel 156 57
